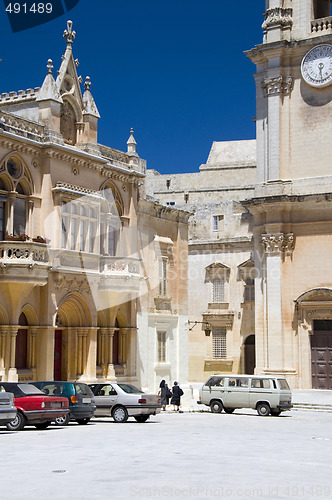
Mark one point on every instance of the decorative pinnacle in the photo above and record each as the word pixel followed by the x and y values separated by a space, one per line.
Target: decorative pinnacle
pixel 49 66
pixel 69 34
pixel 87 83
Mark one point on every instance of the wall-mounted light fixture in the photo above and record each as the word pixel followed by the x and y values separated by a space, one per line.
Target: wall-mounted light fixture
pixel 207 328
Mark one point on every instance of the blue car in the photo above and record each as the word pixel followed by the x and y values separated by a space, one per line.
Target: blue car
pixel 81 399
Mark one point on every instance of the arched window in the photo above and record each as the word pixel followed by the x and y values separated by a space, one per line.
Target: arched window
pixel 322 8
pixel 13 207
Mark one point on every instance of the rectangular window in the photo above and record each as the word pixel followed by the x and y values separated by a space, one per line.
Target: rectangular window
pixel 163 277
pixel 78 227
pixel 161 347
pixel 19 216
pixel 249 290
pixel 218 286
pixel 217 222
pixel 219 342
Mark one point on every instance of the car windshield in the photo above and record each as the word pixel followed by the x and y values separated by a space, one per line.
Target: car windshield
pixel 130 389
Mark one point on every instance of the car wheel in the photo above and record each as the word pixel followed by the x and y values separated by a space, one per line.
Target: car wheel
pixel 42 425
pixel 216 406
pixel 229 410
pixel 142 418
pixel 275 413
pixel 62 420
pixel 263 409
pixel 18 423
pixel 82 421
pixel 120 414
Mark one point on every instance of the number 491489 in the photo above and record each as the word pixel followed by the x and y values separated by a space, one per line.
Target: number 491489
pixel 35 8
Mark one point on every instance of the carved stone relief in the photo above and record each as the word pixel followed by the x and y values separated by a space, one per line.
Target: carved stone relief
pixel 277 243
pixel 277 85
pixel 278 17
pixel 68 123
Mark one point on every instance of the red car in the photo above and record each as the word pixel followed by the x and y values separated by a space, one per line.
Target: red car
pixel 33 406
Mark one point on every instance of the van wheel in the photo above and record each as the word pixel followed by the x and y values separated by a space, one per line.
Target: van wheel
pixel 263 409
pixel 216 407
pixel 229 410
pixel 275 413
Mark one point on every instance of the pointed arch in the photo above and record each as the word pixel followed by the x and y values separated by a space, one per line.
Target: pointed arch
pixel 30 314
pixel 74 311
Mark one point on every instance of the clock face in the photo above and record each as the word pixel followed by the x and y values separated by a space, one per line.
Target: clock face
pixel 316 67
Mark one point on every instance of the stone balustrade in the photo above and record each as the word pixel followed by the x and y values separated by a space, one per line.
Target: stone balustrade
pixel 21 126
pixel 24 254
pixel 321 25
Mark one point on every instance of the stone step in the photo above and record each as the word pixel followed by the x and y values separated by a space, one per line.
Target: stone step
pixel 312 407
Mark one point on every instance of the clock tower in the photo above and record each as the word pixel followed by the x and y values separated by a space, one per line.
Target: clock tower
pixel 292 205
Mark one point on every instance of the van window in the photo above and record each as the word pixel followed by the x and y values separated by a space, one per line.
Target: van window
pixel 238 382
pixel 260 383
pixel 215 382
pixel 283 384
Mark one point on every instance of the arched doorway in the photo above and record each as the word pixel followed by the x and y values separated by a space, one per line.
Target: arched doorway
pixel 72 338
pixel 321 354
pixel 249 355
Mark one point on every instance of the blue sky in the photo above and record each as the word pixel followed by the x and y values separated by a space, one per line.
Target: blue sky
pixel 174 71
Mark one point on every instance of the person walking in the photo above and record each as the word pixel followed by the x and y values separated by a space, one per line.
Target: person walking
pixel 176 397
pixel 165 394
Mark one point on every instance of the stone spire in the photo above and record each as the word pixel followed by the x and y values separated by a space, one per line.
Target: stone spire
pixel 89 104
pixel 49 91
pixel 131 143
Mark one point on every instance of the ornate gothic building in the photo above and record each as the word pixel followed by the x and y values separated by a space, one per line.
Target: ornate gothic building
pixel 92 274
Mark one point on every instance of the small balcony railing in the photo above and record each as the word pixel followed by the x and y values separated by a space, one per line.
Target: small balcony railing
pixel 322 25
pixel 121 266
pixel 23 253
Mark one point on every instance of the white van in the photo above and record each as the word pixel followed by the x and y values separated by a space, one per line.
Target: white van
pixel 266 394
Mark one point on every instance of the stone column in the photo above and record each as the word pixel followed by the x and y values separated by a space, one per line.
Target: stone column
pixel 274 87
pixel 275 246
pixel 110 365
pixel 12 374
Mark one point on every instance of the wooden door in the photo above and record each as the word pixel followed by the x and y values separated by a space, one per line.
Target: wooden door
pixel 57 354
pixel 321 355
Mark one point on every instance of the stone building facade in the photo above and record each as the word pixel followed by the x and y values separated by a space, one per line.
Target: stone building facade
pixel 260 241
pixel 92 285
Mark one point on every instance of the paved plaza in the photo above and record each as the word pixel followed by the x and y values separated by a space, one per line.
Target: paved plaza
pixel 174 455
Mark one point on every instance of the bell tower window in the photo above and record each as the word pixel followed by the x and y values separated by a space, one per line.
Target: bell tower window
pixel 322 8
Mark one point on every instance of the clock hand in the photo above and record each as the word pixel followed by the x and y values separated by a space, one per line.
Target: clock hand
pixel 320 67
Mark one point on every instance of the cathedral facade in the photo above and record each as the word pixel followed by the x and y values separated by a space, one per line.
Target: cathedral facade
pixel 260 259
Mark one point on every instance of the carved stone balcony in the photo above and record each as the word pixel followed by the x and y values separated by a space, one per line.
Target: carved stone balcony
pixel 321 26
pixel 120 273
pixel 24 261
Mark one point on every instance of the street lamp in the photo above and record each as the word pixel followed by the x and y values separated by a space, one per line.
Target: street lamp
pixel 207 328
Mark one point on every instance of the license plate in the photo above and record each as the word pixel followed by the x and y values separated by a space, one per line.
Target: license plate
pixel 86 400
pixel 56 405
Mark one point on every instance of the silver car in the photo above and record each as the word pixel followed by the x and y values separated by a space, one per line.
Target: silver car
pixel 7 409
pixel 121 401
